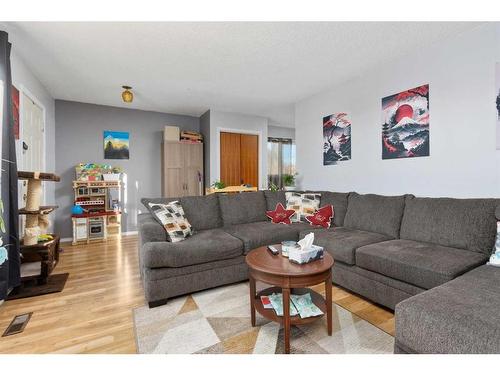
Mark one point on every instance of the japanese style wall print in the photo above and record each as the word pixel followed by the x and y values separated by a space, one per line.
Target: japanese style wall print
pixel 336 138
pixel 116 145
pixel 405 128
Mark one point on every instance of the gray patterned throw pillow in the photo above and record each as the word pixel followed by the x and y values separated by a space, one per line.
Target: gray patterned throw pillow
pixel 171 216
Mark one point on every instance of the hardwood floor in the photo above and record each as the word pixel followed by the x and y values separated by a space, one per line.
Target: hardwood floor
pixel 93 314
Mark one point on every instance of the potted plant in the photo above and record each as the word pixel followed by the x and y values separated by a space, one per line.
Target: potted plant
pixel 273 187
pixel 218 185
pixel 289 181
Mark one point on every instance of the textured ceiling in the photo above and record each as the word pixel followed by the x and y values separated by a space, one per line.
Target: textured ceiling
pixel 187 68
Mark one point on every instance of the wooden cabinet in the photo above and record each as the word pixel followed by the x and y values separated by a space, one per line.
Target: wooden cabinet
pixel 239 159
pixel 182 169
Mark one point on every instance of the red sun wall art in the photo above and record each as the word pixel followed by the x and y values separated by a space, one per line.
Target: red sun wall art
pixel 405 124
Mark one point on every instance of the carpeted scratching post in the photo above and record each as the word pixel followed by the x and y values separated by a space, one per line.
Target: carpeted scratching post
pixel 33 196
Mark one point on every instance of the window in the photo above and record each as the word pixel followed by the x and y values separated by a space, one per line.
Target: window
pixel 280 160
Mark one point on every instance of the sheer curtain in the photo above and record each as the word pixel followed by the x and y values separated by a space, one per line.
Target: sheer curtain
pixel 280 160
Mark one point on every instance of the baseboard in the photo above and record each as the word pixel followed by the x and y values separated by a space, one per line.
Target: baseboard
pixel 130 233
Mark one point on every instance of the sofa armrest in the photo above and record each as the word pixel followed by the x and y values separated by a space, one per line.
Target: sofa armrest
pixel 150 230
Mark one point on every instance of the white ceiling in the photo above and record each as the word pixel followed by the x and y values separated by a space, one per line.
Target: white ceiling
pixel 187 68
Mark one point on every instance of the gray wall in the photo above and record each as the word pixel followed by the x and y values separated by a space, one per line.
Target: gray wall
pixel 205 130
pixel 79 139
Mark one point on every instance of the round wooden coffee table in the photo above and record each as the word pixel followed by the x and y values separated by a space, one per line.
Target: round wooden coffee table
pixel 288 277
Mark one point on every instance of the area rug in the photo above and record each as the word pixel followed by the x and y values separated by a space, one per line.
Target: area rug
pixel 218 321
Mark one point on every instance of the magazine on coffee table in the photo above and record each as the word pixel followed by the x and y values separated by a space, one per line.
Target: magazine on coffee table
pixel 302 305
pixel 277 302
pixel 305 305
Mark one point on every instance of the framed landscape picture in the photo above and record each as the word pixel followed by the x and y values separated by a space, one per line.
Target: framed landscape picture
pixel 336 138
pixel 116 145
pixel 405 124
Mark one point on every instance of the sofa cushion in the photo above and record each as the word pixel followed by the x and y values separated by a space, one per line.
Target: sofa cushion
pixel 460 316
pixel 462 223
pixel 202 247
pixel 202 212
pixel 418 263
pixel 266 233
pixel 242 208
pixel 375 213
pixel 339 203
pixel 273 198
pixel 342 242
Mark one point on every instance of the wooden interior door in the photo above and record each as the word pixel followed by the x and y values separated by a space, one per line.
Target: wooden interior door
pixel 239 159
pixel 193 168
pixel 249 159
pixel 230 159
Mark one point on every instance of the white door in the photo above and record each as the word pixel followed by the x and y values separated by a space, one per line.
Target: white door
pixel 32 158
pixel 30 147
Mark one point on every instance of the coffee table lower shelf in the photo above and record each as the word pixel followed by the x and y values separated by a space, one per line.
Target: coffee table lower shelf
pixel 270 314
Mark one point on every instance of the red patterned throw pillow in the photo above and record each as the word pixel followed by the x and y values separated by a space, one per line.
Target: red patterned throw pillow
pixel 321 217
pixel 280 215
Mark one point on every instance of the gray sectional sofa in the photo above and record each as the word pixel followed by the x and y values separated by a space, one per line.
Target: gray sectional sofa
pixel 422 257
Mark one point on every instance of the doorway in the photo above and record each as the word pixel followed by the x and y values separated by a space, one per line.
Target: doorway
pixel 30 148
pixel 239 159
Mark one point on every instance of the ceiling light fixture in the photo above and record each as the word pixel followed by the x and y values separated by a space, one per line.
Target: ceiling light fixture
pixel 127 95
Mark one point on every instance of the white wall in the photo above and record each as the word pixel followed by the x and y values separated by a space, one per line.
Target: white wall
pixel 463 161
pixel 280 132
pixel 238 123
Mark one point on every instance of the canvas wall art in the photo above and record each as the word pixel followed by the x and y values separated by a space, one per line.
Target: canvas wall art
pixel 497 86
pixel 116 145
pixel 336 138
pixel 15 111
pixel 405 124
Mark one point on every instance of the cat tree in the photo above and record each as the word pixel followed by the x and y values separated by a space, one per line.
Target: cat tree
pixel 39 256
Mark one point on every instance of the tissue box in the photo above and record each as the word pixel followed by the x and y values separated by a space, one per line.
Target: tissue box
pixel 307 255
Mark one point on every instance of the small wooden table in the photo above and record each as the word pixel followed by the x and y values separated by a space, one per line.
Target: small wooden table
pixel 288 277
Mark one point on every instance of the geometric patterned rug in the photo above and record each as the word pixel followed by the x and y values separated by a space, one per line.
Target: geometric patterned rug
pixel 218 321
